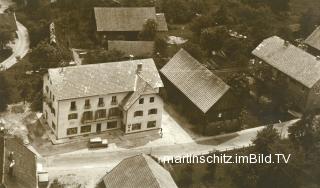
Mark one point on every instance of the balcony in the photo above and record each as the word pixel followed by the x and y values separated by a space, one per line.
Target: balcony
pixel 101 104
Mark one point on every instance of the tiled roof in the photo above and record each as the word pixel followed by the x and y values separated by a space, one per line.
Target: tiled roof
pixel 101 79
pixel 289 59
pixel 313 40
pixel 139 171
pixel 136 48
pixel 25 164
pixel 126 18
pixel 8 22
pixel 161 21
pixel 194 80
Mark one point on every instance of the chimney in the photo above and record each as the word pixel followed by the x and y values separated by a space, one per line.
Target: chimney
pixel 286 43
pixel 139 68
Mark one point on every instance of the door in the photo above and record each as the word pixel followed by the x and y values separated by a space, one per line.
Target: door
pixel 98 127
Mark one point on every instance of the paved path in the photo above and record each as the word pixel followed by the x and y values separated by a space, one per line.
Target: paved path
pixel 20 46
pixel 71 162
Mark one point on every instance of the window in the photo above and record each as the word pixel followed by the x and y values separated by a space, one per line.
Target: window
pixel 112 124
pixel 72 131
pixel 153 111
pixel 151 124
pixel 141 101
pixel 101 103
pixel 101 114
pixel 53 97
pixel 87 116
pixel 53 111
pixel 114 112
pixel 73 106
pixel 136 126
pixel 85 129
pixel 73 116
pixel 151 99
pixel 87 104
pixel 53 126
pixel 138 113
pixel 114 100
pixel 47 89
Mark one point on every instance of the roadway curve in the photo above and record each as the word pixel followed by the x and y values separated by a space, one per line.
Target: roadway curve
pixel 20 46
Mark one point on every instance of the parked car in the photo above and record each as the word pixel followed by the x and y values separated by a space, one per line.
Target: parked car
pixel 98 143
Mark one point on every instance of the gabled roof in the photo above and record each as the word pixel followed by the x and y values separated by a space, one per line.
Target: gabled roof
pixel 139 171
pixel 313 40
pixel 136 48
pixel 126 18
pixel 8 22
pixel 25 164
pixel 289 59
pixel 101 79
pixel 194 80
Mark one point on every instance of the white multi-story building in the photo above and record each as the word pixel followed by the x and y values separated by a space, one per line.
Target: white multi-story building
pixel 101 97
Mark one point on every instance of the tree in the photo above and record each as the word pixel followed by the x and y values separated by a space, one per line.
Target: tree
pixel 160 46
pixel 45 56
pixel 194 50
pixel 176 11
pixel 265 139
pixel 4 95
pixel 103 56
pixel 5 37
pixel 149 30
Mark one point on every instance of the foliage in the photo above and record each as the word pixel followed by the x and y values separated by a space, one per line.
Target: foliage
pixel 194 50
pixel 176 11
pixel 4 95
pixel 45 56
pixel 5 37
pixel 103 56
pixel 160 46
pixel 149 30
pixel 309 20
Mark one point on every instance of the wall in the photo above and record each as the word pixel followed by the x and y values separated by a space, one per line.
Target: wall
pixel 64 111
pixel 145 107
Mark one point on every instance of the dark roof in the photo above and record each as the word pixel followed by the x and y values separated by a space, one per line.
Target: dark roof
pixel 313 40
pixel 136 48
pixel 8 22
pixel 139 171
pixel 126 18
pixel 194 80
pixel 101 79
pixel 25 171
pixel 289 59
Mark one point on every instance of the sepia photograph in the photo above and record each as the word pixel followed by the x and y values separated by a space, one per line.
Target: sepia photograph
pixel 159 93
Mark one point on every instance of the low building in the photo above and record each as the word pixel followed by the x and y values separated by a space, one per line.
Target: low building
pixel 101 97
pixel 18 164
pixel 294 70
pixel 207 97
pixel 139 171
pixel 313 42
pixel 125 23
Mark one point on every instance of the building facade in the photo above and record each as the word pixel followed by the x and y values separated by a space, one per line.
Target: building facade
pixel 102 97
pixel 294 72
pixel 207 99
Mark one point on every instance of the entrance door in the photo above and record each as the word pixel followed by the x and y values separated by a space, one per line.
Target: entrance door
pixel 98 127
